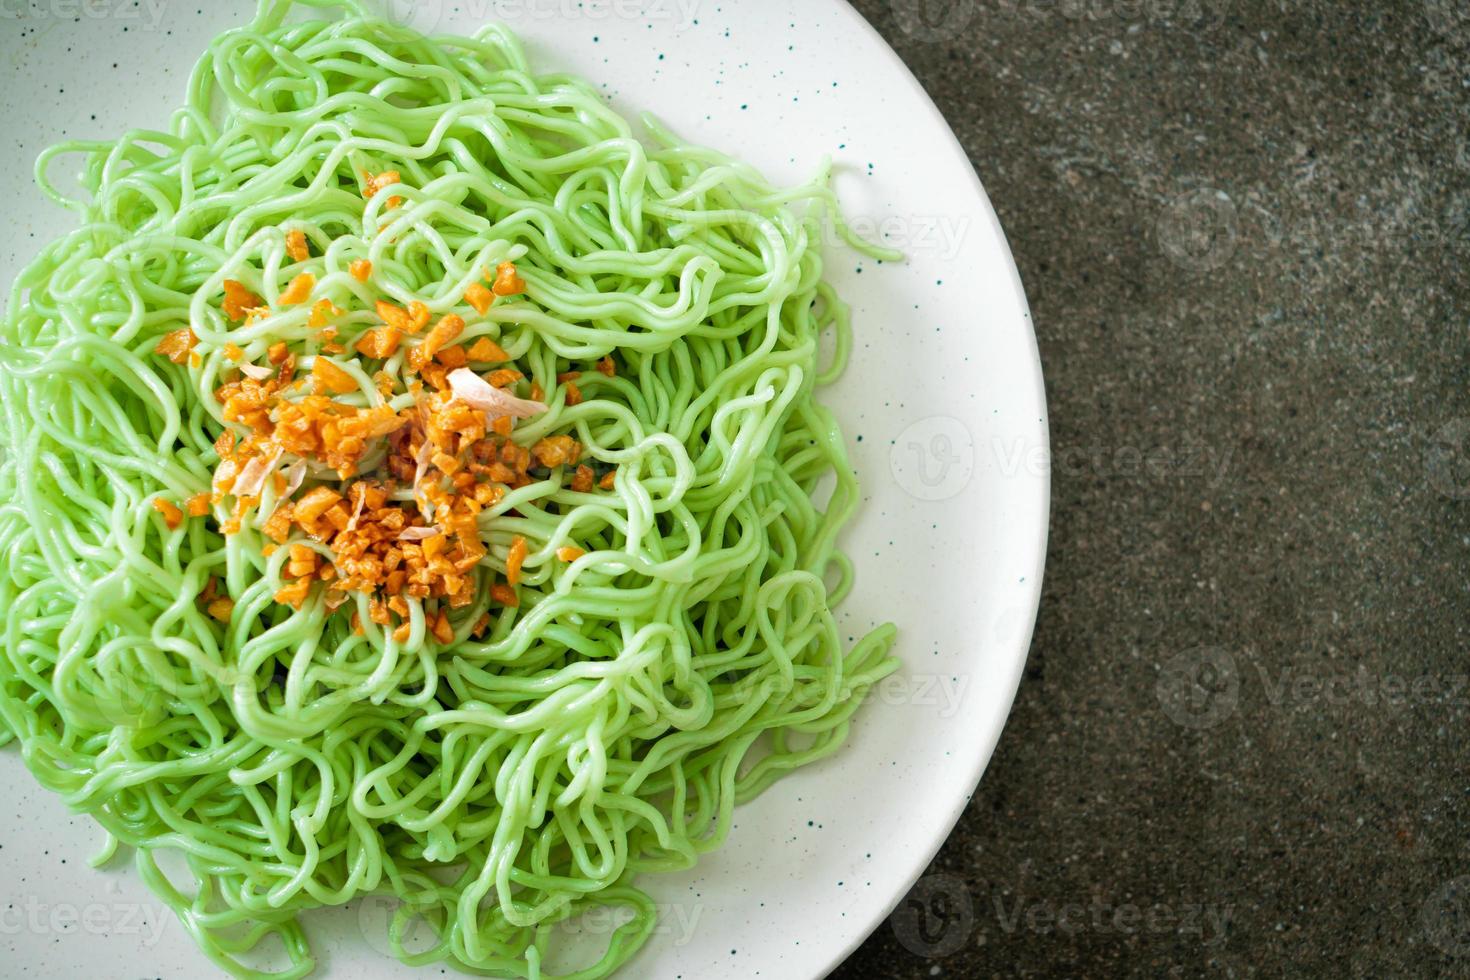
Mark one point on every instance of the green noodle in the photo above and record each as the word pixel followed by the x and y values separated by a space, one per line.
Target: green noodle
pixel 606 728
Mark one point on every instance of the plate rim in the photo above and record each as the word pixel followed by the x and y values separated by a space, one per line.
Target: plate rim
pixel 1012 668
pixel 1006 668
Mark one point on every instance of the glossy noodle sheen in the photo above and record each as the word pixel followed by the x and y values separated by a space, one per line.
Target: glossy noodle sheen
pixel 494 788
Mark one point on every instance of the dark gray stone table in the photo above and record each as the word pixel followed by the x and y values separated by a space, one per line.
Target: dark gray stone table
pixel 1240 746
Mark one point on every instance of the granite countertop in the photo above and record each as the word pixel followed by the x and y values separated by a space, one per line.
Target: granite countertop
pixel 1239 746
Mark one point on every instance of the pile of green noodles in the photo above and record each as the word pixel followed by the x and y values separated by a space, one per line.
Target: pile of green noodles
pixel 605 728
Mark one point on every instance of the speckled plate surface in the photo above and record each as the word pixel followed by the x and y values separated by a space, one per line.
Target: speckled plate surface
pixel 943 406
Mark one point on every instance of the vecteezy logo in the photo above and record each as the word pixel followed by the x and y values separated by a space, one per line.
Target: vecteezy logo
pixel 141 14
pixel 1198 229
pixel 935 918
pixel 1445 917
pixel 932 20
pixel 133 694
pixel 375 918
pixel 1199 688
pixel 1447 460
pixel 424 16
pixel 933 459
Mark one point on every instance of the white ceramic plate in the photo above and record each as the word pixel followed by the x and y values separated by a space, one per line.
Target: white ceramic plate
pixel 943 406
